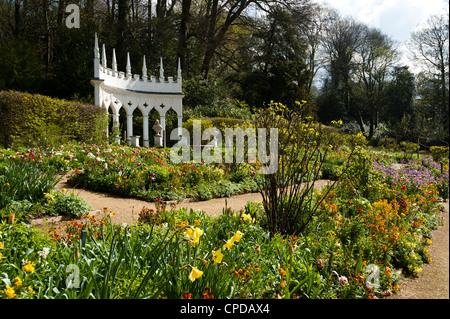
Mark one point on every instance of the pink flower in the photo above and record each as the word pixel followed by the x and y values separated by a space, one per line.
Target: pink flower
pixel 343 280
pixel 319 263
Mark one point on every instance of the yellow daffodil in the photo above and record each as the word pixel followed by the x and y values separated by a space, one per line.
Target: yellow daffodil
pixel 217 256
pixel 228 244
pixel 1 245
pixel 183 224
pixel 193 235
pixel 50 197
pixel 237 237
pixel 247 218
pixel 195 274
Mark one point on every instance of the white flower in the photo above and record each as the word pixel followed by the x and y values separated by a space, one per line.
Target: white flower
pixel 44 252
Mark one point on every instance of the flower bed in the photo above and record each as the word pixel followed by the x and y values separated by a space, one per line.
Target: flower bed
pixel 356 247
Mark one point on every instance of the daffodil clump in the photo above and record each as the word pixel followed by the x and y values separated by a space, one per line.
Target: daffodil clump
pixel 192 235
pixel 18 288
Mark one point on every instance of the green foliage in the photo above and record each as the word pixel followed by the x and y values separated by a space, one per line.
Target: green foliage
pixel 360 178
pixel 279 73
pixel 21 66
pixel 439 152
pixel 36 120
pixel 155 176
pixel 25 179
pixel 388 143
pixel 205 94
pixel 66 203
pixel 189 125
pixel 301 152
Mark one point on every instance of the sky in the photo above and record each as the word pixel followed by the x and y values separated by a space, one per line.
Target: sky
pixel 395 18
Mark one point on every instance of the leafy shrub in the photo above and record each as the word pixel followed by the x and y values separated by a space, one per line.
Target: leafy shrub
pixel 202 192
pixel 155 176
pixel 39 120
pixel 302 149
pixel 388 143
pixel 360 178
pixel 67 204
pixel 330 171
pixel 189 125
pixel 439 152
pixel 241 172
pixel 409 147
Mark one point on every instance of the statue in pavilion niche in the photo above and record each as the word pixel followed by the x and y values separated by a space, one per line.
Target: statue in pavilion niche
pixel 117 89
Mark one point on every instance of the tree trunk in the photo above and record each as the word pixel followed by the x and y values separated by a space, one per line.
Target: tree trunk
pixel 17 20
pixel 149 20
pixel 211 41
pixel 47 55
pixel 113 11
pixel 90 9
pixel 161 7
pixel 182 41
pixel 123 15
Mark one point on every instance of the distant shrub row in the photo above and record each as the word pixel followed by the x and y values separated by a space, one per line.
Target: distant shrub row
pixel 32 120
pixel 439 152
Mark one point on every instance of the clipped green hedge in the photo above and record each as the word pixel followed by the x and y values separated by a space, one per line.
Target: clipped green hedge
pixel 33 119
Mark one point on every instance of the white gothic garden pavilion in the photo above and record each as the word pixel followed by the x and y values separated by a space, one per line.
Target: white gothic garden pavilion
pixel 116 89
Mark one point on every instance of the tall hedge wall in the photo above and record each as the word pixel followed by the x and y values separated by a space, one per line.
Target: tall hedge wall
pixel 32 120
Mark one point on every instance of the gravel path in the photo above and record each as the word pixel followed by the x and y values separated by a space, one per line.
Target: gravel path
pixel 126 210
pixel 432 282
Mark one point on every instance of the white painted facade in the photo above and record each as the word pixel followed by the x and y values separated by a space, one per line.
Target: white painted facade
pixel 116 89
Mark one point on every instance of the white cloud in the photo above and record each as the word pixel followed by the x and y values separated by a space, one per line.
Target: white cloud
pixel 396 18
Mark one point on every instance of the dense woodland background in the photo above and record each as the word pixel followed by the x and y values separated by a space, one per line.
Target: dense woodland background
pixel 237 56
